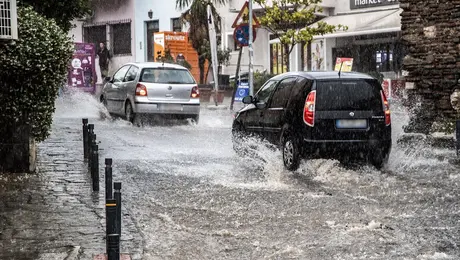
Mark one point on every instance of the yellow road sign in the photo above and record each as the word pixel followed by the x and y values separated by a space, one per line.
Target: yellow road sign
pixel 243 17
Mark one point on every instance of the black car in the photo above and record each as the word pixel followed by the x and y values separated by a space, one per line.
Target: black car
pixel 318 114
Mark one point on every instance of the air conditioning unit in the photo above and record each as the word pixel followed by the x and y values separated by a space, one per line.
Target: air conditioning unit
pixel 8 20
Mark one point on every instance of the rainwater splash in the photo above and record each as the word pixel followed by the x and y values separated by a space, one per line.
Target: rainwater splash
pixel 77 104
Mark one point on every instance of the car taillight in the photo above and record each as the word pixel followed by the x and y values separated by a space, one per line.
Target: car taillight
pixel 195 92
pixel 386 109
pixel 309 109
pixel 141 90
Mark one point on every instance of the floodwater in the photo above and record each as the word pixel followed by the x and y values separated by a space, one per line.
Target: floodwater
pixel 190 196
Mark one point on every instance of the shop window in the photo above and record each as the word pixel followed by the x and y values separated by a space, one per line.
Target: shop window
pixel 95 34
pixel 384 60
pixel 278 58
pixel 121 40
pixel 176 25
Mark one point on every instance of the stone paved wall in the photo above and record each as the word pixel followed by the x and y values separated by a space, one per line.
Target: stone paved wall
pixel 430 29
pixel 53 213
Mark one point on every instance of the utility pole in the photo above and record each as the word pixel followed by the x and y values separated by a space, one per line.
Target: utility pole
pixel 251 51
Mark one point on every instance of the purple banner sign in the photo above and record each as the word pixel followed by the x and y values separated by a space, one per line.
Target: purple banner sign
pixel 82 69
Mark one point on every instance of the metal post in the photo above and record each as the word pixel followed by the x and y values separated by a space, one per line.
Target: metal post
pixel 85 137
pixel 457 136
pixel 90 141
pixel 108 178
pixel 113 247
pixel 110 217
pixel 95 167
pixel 91 145
pixel 251 51
pixel 117 197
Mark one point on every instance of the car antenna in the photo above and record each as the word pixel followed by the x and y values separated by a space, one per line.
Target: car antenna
pixel 340 70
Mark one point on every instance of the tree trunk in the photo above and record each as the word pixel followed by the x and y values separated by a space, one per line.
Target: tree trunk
pixel 207 73
pixel 201 62
pixel 237 75
pixel 287 55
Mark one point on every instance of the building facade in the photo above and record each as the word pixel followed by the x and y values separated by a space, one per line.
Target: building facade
pixel 372 40
pixel 127 28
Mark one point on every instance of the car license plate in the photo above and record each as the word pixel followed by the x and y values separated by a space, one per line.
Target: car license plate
pixel 351 123
pixel 174 107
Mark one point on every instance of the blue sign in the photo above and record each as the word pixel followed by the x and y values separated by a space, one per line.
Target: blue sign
pixel 242 91
pixel 241 34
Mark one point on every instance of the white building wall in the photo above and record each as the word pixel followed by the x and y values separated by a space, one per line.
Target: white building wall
pixel 163 11
pixel 76 33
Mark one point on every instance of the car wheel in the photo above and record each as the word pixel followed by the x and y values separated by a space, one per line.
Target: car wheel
pixel 103 100
pixel 378 159
pixel 291 154
pixel 103 111
pixel 196 119
pixel 129 113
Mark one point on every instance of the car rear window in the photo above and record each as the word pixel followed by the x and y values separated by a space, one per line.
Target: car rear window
pixel 356 94
pixel 166 76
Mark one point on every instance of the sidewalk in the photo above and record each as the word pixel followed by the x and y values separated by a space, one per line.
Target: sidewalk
pixel 54 214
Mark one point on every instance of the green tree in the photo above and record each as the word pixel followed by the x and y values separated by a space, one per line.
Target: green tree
pixel 63 12
pixel 223 56
pixel 197 18
pixel 31 70
pixel 289 20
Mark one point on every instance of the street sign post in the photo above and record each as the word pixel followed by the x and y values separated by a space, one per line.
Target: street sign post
pixel 246 18
pixel 251 50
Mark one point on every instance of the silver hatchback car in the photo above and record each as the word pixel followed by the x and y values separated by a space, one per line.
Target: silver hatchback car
pixel 139 89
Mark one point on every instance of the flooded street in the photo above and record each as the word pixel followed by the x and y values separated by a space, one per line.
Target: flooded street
pixel 187 195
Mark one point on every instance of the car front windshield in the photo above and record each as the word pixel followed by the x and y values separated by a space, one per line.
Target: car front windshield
pixel 166 76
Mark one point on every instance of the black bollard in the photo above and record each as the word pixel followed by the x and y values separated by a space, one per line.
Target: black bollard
pixel 108 178
pixel 95 167
pixel 113 247
pixel 90 141
pixel 457 135
pixel 85 137
pixel 117 197
pixel 110 218
pixel 92 144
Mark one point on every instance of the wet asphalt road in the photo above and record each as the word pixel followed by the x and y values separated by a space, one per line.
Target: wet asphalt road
pixel 191 197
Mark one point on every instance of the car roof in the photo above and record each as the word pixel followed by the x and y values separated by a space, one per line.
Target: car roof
pixel 143 65
pixel 322 75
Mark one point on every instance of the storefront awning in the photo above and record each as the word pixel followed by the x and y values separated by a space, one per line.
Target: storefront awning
pixel 385 21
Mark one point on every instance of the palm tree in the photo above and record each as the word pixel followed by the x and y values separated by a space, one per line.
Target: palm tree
pixel 197 18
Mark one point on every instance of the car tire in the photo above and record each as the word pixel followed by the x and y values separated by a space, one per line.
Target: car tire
pixel 378 159
pixel 104 114
pixel 195 119
pixel 129 113
pixel 291 152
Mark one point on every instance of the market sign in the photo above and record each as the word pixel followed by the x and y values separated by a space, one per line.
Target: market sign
pixel 356 4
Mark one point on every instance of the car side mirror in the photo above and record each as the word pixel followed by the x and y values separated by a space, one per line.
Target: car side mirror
pixel 108 79
pixel 248 100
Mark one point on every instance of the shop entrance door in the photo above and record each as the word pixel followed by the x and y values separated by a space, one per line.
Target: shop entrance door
pixel 152 27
